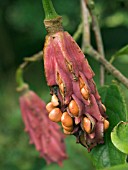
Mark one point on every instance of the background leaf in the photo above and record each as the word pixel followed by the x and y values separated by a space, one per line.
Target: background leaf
pixel 118 167
pixel 119 136
pixel 107 154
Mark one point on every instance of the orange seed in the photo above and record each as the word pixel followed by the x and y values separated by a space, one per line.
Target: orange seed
pixel 85 93
pixel 106 124
pixel 54 100
pixel 55 115
pixel 81 83
pixel 73 108
pixel 66 132
pixel 69 129
pixel 49 107
pixel 66 119
pixel 87 125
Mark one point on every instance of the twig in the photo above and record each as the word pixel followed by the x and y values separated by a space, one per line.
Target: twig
pixel 86 25
pixel 96 29
pixel 36 57
pixel 21 85
pixel 109 67
pixel 78 32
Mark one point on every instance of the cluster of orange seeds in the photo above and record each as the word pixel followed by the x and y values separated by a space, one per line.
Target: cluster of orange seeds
pixel 56 115
pixel 67 117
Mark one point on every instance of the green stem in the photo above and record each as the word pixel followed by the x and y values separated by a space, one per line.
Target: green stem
pixel 19 79
pixel 49 10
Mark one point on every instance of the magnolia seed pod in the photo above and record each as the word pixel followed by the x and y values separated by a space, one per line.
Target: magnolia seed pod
pixel 55 115
pixel 73 108
pixel 54 100
pixel 87 125
pixel 66 119
pixel 104 108
pixel 106 124
pixel 49 107
pixel 85 93
pixel 66 132
pixel 69 129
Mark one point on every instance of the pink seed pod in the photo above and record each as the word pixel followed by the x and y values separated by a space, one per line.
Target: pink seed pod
pixel 70 78
pixel 44 134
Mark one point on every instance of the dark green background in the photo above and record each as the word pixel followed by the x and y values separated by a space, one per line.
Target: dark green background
pixel 22 34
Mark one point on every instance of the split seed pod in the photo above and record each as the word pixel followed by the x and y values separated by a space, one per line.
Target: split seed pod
pixel 71 80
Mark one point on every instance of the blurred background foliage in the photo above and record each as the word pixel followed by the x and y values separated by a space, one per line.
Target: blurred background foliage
pixel 22 34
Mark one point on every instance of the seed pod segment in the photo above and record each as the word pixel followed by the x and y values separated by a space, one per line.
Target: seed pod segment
pixel 55 115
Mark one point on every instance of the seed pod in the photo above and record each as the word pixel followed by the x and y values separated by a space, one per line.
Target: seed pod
pixel 104 108
pixel 106 124
pixel 87 125
pixel 73 108
pixel 54 100
pixel 55 115
pixel 49 107
pixel 66 132
pixel 69 129
pixel 77 93
pixel 85 93
pixel 66 119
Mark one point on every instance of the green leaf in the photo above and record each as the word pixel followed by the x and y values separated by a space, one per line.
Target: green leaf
pixel 118 167
pixel 106 155
pixel 119 136
pixel 122 55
